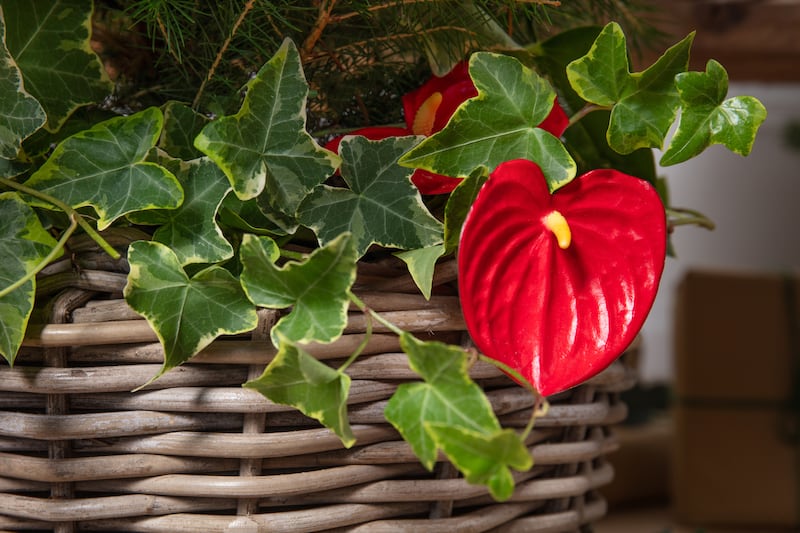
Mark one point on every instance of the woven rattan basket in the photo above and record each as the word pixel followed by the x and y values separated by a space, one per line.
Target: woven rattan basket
pixel 196 452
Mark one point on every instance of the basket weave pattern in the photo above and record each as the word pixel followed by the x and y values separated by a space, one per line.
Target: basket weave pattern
pixel 195 451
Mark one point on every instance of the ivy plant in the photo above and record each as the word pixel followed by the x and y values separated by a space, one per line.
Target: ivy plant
pixel 228 199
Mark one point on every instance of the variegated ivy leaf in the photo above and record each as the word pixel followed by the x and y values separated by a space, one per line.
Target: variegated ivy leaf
pixel 50 43
pixel 24 243
pixel 317 289
pixel 191 230
pixel 484 459
pixel 586 138
pixel 9 169
pixel 105 167
pixel 447 396
pixel 421 265
pixel 499 124
pixel 381 206
pixel 20 113
pixel 264 149
pixel 186 313
pixel 708 118
pixel 246 215
pixel 181 125
pixel 644 104
pixel 297 379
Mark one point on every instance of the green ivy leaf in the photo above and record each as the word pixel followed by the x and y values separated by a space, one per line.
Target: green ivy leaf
pixel 458 205
pixel 499 124
pixel 186 313
pixel 586 138
pixel 50 43
pixel 265 146
pixel 707 118
pixel 297 379
pixel 644 104
pixel 191 230
pixel 552 56
pixel 181 125
pixel 381 206
pixel 421 265
pixel 317 289
pixel 20 113
pixel 447 396
pixel 104 167
pixel 24 243
pixel 484 459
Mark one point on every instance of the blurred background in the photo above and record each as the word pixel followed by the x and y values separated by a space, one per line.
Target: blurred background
pixel 712 441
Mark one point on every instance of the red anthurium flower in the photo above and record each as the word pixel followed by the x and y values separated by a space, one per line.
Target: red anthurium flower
pixel 556 286
pixel 429 108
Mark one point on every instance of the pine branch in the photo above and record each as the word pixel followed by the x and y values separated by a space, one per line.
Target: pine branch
pixel 247 8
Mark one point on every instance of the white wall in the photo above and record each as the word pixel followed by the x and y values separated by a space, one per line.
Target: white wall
pixel 755 204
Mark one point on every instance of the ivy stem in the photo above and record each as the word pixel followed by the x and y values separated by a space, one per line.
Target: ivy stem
pixel 55 252
pixel 585 110
pixel 361 347
pixel 69 211
pixel 290 254
pixel 367 311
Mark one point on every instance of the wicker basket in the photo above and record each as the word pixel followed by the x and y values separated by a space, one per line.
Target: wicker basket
pixel 197 452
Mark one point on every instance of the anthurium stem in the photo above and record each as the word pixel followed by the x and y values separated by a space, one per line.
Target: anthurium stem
pixel 74 216
pixel 540 404
pixel 680 216
pixel 55 252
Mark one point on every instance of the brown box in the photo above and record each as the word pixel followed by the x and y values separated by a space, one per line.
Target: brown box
pixel 737 435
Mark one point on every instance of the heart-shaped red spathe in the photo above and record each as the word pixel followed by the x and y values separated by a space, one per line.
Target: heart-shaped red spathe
pixel 559 315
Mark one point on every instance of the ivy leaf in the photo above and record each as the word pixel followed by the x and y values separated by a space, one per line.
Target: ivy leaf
pixel 20 113
pixel 447 396
pixel 484 459
pixel 24 243
pixel 50 43
pixel 381 206
pixel 10 169
pixel 644 104
pixel 186 313
pixel 265 146
pixel 458 205
pixel 317 289
pixel 586 138
pixel 105 167
pixel 181 125
pixel 245 215
pixel 499 124
pixel 297 379
pixel 421 265
pixel 552 56
pixel 191 230
pixel 707 118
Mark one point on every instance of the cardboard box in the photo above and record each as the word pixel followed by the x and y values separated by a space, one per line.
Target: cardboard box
pixel 736 457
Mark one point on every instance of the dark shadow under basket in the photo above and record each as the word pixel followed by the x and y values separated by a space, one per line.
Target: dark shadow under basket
pixel 196 452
